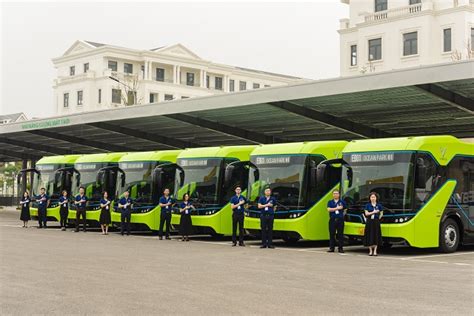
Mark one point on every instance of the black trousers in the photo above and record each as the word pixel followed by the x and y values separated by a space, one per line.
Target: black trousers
pixel 42 217
pixel 81 213
pixel 266 225
pixel 336 227
pixel 63 213
pixel 125 218
pixel 238 220
pixel 165 217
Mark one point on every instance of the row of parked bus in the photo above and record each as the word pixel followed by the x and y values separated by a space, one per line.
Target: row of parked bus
pixel 426 185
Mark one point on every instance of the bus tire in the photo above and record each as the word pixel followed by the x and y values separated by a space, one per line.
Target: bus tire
pixel 290 240
pixel 449 236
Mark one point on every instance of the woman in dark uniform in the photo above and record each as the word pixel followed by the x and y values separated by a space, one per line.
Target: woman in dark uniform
pixel 104 219
pixel 373 234
pixel 185 224
pixel 25 209
pixel 63 209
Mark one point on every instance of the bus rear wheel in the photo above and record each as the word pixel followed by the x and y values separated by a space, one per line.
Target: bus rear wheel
pixel 449 236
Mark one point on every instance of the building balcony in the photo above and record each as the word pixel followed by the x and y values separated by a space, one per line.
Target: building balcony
pixel 393 13
pixel 66 79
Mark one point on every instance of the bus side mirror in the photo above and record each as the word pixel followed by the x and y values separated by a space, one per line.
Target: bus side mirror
pixel 122 180
pixel 228 174
pixel 350 175
pixel 421 174
pixel 320 177
pixel 157 178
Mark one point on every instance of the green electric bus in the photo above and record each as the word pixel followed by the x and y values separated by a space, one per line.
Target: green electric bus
pixel 210 175
pixel 55 174
pixel 290 171
pixel 426 185
pixel 146 175
pixel 96 173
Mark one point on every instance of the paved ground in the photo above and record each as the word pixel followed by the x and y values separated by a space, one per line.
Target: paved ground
pixel 55 272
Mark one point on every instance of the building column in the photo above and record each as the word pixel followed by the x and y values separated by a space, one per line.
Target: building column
pixel 226 83
pixel 24 165
pixel 203 78
pixel 145 70
pixel 150 70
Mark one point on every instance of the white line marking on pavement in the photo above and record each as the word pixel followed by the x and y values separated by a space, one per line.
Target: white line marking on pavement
pixel 440 255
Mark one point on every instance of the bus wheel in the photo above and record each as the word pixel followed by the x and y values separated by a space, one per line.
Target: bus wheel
pixel 449 236
pixel 290 240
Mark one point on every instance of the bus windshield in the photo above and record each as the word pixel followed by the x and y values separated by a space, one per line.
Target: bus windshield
pixel 390 174
pixel 47 179
pixel 201 179
pixel 284 174
pixel 138 181
pixel 88 179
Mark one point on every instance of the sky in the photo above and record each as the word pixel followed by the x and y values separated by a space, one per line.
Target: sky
pixel 294 38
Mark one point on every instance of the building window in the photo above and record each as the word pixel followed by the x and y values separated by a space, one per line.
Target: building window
pixel 79 97
pixel 267 86
pixel 208 82
pixel 256 86
pixel 472 38
pixel 412 2
pixel 231 85
pixel 66 100
pixel 184 97
pixel 375 49
pixel 152 98
pixel 380 5
pixel 127 68
pixel 168 97
pixel 218 83
pixel 131 98
pixel 242 85
pixel 446 40
pixel 100 96
pixel 353 55
pixel 112 65
pixel 72 70
pixel 116 96
pixel 86 67
pixel 160 74
pixel 190 79
pixel 410 43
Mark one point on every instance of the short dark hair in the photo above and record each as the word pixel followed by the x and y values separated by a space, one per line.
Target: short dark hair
pixel 81 187
pixel 336 190
pixel 374 193
pixel 43 189
pixel 237 187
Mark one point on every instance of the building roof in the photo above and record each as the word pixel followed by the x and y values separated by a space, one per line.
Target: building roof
pixel 429 100
pixel 14 117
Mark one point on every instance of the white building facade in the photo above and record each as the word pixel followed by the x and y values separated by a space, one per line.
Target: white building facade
pixel 94 76
pixel 382 35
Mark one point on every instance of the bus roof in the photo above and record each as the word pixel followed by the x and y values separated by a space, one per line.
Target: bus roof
pixel 161 155
pixel 240 152
pixel 104 157
pixel 329 149
pixel 442 148
pixel 61 159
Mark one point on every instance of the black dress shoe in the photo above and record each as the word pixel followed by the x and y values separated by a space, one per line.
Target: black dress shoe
pixel 340 250
pixel 331 250
pixel 168 238
pixel 234 244
pixel 263 246
pixel 242 245
pixel 161 238
pixel 39 227
pixel 271 247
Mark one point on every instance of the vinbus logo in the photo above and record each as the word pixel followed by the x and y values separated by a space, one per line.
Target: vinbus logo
pixel 44 124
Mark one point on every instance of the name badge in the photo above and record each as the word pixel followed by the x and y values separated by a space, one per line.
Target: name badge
pixel 167 207
pixel 238 207
pixel 372 216
pixel 337 212
pixel 107 207
pixel 186 212
pixel 41 202
pixel 266 208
